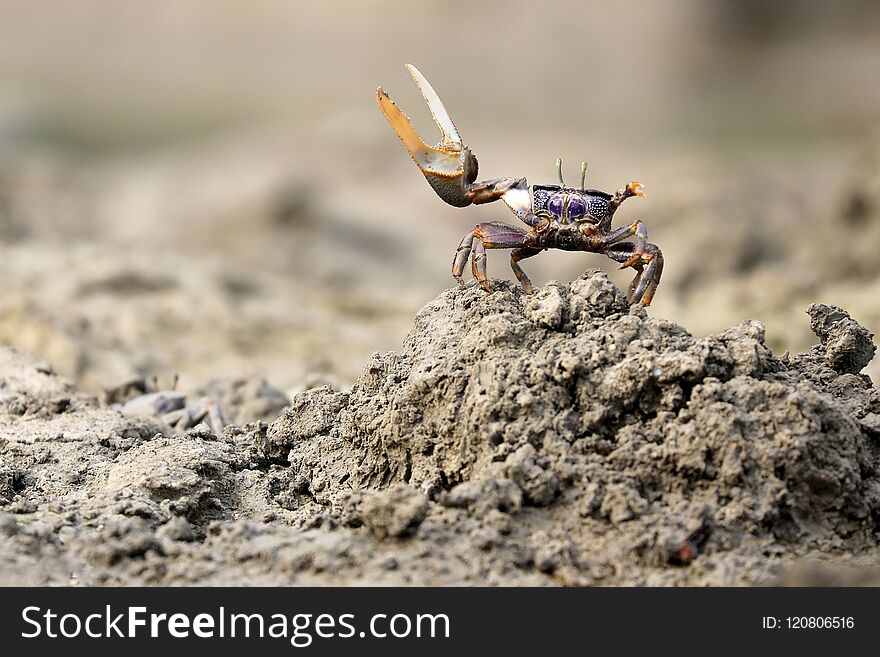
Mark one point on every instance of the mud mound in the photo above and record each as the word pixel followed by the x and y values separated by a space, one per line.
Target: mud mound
pixel 562 438
pixel 632 433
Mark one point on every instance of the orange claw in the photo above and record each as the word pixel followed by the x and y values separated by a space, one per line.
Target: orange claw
pixel 449 166
pixel 442 159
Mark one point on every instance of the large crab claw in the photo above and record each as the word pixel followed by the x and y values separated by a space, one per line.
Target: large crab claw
pixel 449 167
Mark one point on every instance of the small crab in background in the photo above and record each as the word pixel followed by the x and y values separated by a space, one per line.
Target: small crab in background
pixel 558 216
pixel 143 397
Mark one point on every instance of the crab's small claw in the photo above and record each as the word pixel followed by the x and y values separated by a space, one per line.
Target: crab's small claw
pixel 635 188
pixel 632 189
pixel 449 166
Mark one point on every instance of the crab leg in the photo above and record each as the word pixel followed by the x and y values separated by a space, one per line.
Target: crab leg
pixel 635 229
pixel 633 285
pixel 646 287
pixel 478 265
pixel 648 266
pixel 492 235
pixel 521 276
pixel 638 230
pixel 461 257
pixel 657 261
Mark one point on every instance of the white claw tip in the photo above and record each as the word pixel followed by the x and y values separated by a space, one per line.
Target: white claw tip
pixel 438 111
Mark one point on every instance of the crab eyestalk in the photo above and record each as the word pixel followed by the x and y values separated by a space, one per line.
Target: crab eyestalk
pixel 583 176
pixel 559 171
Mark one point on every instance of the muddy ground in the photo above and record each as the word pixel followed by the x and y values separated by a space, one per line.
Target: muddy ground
pixel 206 193
pixel 562 438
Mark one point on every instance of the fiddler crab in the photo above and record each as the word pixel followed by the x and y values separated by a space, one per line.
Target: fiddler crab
pixel 145 397
pixel 558 216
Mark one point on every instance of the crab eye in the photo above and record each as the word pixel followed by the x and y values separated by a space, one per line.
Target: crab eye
pixel 576 208
pixel 555 205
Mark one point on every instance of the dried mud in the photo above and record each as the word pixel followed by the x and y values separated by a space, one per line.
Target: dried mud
pixel 562 438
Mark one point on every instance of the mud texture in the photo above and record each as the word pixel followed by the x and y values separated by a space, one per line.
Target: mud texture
pixel 562 438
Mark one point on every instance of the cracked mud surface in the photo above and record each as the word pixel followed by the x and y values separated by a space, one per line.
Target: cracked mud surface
pixel 556 439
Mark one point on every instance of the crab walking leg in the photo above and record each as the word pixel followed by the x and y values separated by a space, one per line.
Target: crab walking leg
pixel 478 265
pixel 635 229
pixel 521 254
pixel 633 285
pixel 655 279
pixel 461 257
pixel 649 268
pixel 492 235
pixel 650 278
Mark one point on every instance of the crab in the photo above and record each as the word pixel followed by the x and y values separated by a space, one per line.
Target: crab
pixel 557 216
pixel 143 397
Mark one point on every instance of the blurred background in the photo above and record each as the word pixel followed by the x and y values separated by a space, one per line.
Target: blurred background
pixel 207 186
